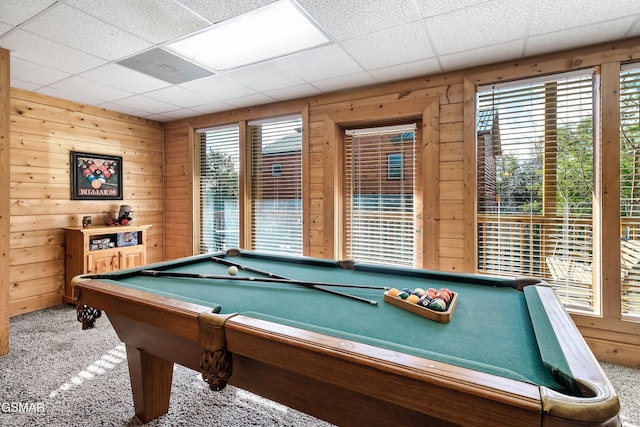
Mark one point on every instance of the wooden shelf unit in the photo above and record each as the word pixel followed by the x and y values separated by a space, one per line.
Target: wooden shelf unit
pixel 85 254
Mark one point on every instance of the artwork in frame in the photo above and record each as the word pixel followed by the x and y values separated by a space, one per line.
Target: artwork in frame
pixel 95 176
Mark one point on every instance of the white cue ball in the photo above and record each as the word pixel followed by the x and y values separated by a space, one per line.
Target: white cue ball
pixel 233 270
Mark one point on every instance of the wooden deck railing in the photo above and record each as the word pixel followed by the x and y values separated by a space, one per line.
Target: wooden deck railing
pixel 558 250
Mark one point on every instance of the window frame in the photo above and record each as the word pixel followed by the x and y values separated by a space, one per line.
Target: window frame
pixel 384 134
pixel 245 202
pixel 549 85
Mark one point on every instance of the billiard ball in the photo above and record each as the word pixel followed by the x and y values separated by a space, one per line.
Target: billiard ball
pixel 447 290
pixel 393 292
pixel 424 301
pixel 438 304
pixel 403 295
pixel 446 296
pixel 233 270
pixel 413 299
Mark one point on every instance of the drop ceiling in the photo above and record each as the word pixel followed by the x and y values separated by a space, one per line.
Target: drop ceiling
pixel 73 49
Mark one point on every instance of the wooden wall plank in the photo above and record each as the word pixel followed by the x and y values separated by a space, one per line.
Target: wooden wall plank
pixel 427 188
pixel 607 187
pixel 469 180
pixel 5 165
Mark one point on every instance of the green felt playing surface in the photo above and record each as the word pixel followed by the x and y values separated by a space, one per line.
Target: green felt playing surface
pixel 490 330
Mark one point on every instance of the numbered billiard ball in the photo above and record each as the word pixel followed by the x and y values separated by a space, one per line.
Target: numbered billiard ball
pixel 438 304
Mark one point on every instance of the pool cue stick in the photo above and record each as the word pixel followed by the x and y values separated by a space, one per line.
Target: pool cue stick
pixel 283 278
pixel 160 273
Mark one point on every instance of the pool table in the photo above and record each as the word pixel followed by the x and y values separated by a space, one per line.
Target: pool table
pixel 508 355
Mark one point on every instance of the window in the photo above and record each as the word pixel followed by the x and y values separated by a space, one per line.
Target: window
pixel 535 183
pixel 219 197
pixel 379 202
pixel 276 185
pixel 630 188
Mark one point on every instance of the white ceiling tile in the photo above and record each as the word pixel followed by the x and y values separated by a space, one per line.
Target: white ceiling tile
pixel 125 78
pixel 21 84
pixel 173 115
pixel 216 11
pixel 212 107
pixel 482 56
pixel 347 19
pixel 178 96
pixel 476 26
pixel 79 85
pixel 590 34
pixel 404 71
pixel 114 106
pixel 345 82
pixel 321 63
pixel 548 17
pixel 34 73
pixel 3 29
pixel 82 98
pixel 430 8
pixel 264 77
pixel 43 51
pixel 251 100
pixel 294 92
pixel 406 43
pixel 217 87
pixel 153 20
pixel 635 29
pixel 71 27
pixel 143 103
pixel 15 12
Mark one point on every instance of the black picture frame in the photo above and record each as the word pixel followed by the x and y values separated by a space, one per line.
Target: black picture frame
pixel 95 176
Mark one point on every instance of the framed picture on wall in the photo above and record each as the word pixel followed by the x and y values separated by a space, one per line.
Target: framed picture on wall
pixel 95 176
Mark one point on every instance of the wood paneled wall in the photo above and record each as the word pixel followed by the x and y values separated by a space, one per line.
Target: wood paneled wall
pixel 447 169
pixel 4 197
pixel 44 130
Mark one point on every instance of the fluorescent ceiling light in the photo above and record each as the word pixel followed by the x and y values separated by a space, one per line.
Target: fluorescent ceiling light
pixel 266 33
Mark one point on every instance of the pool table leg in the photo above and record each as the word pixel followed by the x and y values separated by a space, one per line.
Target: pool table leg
pixel 150 382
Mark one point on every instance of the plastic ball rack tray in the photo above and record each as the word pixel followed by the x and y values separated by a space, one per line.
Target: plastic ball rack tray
pixel 438 316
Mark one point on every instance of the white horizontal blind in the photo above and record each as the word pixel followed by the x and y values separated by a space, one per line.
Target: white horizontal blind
pixel 535 184
pixel 219 169
pixel 379 195
pixel 276 185
pixel 630 188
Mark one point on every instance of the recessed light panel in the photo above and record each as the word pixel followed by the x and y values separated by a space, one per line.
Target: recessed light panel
pixel 269 32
